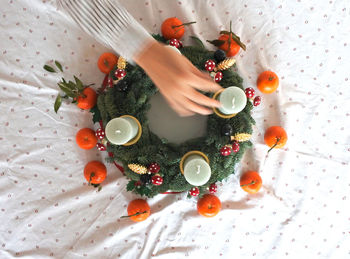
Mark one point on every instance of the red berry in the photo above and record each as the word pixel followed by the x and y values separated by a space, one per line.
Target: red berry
pixel 218 77
pixel 138 183
pixel 257 101
pixel 181 45
pixel 175 43
pixel 213 188
pixel 235 146
pixel 101 147
pixel 119 73
pixel 157 179
pixel 110 82
pixel 194 191
pixel 225 151
pixel 209 65
pixel 100 133
pixel 154 168
pixel 249 92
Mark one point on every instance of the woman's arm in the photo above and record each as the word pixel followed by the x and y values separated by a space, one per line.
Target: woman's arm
pixel 171 72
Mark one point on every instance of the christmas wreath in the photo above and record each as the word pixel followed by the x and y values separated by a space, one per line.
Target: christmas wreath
pixel 152 164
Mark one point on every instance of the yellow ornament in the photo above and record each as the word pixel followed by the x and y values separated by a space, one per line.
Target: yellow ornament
pixel 225 64
pixel 241 137
pixel 121 63
pixel 139 169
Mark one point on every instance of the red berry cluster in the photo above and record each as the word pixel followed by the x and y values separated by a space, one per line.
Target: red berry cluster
pixel 209 65
pixel 213 188
pixel 157 179
pixel 101 147
pixel 227 150
pixel 250 92
pixel 175 43
pixel 194 191
pixel 218 77
pixel 119 73
pixel 154 168
pixel 100 134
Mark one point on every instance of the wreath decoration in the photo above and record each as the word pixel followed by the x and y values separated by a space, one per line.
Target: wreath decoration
pixel 152 164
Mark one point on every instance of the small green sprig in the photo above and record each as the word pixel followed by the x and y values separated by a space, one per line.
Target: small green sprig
pixel 71 89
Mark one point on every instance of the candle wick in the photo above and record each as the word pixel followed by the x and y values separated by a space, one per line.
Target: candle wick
pixel 118 131
pixel 233 102
pixel 198 169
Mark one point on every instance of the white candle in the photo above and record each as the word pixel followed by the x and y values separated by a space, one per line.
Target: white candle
pixel 233 100
pixel 121 130
pixel 196 170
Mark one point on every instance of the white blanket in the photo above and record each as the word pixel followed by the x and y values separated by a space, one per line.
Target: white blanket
pixel 302 211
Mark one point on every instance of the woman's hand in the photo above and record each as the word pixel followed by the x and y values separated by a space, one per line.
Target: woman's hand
pixel 177 80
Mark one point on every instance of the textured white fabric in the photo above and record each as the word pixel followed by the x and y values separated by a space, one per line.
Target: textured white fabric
pixel 302 211
pixel 109 23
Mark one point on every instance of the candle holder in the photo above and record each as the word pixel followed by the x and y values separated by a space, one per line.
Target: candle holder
pixel 185 156
pixel 139 133
pixel 217 111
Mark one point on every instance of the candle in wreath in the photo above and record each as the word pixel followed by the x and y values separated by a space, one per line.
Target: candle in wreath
pixel 124 130
pixel 196 168
pixel 232 99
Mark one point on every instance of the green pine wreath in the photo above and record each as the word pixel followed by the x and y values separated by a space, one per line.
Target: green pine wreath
pixel 150 148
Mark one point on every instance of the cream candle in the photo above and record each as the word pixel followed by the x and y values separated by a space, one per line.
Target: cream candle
pixel 233 100
pixel 121 130
pixel 196 170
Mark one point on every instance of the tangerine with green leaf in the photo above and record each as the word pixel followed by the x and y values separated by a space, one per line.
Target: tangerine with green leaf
pixel 267 82
pixel 275 137
pixel 95 172
pixel 87 99
pixel 106 62
pixel 138 210
pixel 251 182
pixel 173 28
pixel 209 205
pixel 230 50
pixel 86 138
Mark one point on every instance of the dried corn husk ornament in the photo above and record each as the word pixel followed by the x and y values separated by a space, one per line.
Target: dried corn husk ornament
pixel 241 137
pixel 121 63
pixel 139 169
pixel 225 64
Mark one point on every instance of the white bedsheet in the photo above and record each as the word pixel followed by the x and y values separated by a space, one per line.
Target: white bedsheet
pixel 302 211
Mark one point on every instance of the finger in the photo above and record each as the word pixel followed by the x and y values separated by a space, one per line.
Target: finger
pixel 204 82
pixel 194 107
pixel 179 108
pixel 199 98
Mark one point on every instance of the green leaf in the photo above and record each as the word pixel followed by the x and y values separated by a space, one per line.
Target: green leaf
pixel 49 69
pixel 216 43
pixel 58 103
pixel 79 84
pixel 96 117
pixel 198 41
pixel 235 38
pixel 66 90
pixel 72 86
pixel 58 65
pixel 225 32
pixel 130 186
pixel 238 41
